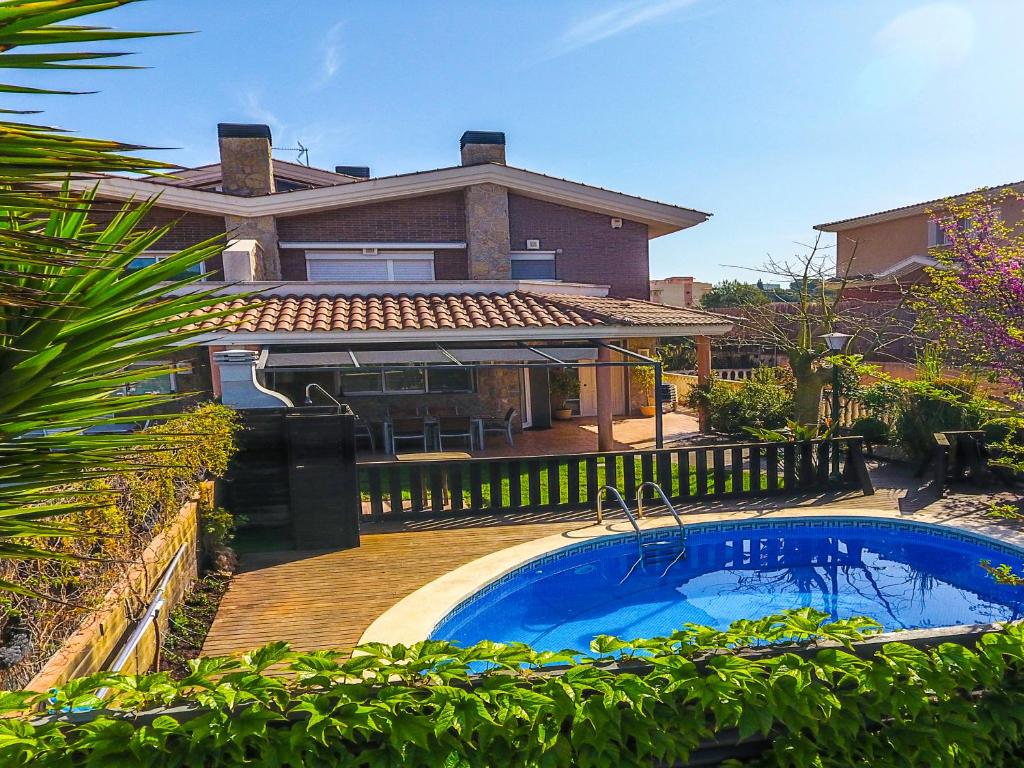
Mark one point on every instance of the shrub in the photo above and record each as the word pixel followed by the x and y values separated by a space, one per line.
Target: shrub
pixel 764 401
pixel 872 429
pixel 936 406
pixel 894 705
pixel 125 511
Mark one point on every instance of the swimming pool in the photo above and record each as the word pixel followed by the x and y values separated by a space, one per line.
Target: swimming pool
pixel 904 575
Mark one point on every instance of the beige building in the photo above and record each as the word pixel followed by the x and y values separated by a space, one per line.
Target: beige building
pixel 894 244
pixel 678 291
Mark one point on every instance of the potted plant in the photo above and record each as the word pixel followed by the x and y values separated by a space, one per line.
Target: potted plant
pixel 563 385
pixel 643 379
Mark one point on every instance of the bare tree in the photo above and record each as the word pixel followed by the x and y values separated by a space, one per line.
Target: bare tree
pixel 824 304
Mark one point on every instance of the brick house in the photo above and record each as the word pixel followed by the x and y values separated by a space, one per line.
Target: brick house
pixel 453 287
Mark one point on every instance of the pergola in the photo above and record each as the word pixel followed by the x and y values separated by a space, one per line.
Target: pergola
pixel 543 355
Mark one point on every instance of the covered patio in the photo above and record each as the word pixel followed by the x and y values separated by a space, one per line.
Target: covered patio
pixel 424 363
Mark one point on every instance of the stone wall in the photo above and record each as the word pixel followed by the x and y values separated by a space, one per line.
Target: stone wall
pixel 487 232
pixel 262 229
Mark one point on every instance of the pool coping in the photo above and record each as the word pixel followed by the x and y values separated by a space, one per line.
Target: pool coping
pixel 415 616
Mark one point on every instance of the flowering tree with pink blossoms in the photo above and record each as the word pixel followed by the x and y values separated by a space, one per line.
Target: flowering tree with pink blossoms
pixel 974 304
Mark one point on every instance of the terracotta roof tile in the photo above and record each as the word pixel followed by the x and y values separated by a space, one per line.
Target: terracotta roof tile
pixel 405 312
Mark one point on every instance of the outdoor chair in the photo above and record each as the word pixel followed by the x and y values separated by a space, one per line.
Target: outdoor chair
pixel 363 429
pixel 454 428
pixel 502 426
pixel 407 430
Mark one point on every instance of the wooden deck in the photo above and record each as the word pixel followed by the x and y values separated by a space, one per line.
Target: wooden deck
pixel 319 600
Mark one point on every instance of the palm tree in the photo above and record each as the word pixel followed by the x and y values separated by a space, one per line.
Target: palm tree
pixel 76 324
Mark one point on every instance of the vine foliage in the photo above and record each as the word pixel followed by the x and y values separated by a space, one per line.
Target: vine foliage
pixel 627 703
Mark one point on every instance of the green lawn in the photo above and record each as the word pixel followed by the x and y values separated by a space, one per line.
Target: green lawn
pixel 405 482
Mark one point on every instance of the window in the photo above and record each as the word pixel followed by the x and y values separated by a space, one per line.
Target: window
pixel 406 380
pixel 356 266
pixel 163 384
pixel 152 257
pixel 533 265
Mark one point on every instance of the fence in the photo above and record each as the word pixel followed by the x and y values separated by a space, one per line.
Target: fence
pixel 392 490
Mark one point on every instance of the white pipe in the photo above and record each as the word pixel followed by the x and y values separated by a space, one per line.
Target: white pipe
pixel 151 614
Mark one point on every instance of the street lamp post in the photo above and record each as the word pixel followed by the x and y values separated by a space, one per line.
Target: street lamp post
pixel 836 343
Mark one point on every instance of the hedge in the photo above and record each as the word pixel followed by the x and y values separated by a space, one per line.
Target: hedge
pixel 630 703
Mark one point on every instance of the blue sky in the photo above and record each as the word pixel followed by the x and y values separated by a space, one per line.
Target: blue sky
pixel 773 116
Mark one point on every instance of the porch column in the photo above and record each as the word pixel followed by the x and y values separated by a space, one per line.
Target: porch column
pixel 605 400
pixel 703 373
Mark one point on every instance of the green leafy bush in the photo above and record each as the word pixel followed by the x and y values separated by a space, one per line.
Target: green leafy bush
pixel 936 406
pixel 632 703
pixel 764 401
pixel 872 429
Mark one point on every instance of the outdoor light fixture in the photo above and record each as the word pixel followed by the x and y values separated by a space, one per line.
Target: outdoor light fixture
pixel 836 342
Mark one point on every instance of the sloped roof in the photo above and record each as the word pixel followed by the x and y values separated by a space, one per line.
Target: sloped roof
pixel 892 214
pixel 399 312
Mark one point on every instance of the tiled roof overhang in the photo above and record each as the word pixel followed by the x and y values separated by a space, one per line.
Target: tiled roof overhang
pixel 399 317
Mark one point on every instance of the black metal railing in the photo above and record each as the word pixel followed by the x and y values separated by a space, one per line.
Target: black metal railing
pixel 391 489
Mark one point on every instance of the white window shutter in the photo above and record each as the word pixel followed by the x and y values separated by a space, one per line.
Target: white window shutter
pixel 413 269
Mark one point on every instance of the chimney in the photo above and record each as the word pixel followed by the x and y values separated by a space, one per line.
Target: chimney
pixel 245 164
pixel 480 147
pixel 358 171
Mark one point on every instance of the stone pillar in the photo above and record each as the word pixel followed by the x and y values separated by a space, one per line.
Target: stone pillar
pixel 703 344
pixel 262 229
pixel 605 401
pixel 479 147
pixel 487 234
pixel 246 169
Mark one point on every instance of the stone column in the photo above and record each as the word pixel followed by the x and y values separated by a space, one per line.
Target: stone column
pixel 703 373
pixel 487 235
pixel 262 229
pixel 605 401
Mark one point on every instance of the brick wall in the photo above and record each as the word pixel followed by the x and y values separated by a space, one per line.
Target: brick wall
pixel 431 218
pixel 592 252
pixel 191 228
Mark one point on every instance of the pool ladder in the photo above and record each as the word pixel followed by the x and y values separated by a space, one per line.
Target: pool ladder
pixel 642 547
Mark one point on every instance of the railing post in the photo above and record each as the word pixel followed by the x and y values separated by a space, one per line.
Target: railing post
pixel 855 455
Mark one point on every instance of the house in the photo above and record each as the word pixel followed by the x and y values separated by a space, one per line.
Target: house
pixel 882 251
pixel 678 291
pixel 456 287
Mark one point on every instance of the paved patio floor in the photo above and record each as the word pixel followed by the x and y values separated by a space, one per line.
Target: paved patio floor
pixel 328 599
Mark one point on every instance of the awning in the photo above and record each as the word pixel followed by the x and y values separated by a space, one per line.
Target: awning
pixel 348 358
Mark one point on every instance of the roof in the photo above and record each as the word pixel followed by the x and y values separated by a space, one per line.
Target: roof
pixel 661 218
pixel 909 210
pixel 449 311
pixel 204 175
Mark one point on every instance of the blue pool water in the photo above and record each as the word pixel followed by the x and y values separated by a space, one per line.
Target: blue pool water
pixel 903 575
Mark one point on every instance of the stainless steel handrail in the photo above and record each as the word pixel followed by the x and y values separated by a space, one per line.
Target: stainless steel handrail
pixel 664 499
pixel 629 515
pixel 324 392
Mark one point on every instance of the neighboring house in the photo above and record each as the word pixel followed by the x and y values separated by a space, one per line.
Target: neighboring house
pixel 458 286
pixel 882 251
pixel 678 291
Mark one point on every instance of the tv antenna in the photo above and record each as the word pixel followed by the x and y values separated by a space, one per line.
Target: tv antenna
pixel 303 156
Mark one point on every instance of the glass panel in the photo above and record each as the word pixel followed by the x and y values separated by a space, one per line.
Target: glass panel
pixel 533 269
pixel 409 379
pixel 355 381
pixel 159 385
pixel 139 262
pixel 450 379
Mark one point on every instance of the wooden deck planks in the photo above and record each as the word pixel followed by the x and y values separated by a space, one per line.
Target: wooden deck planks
pixel 327 599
